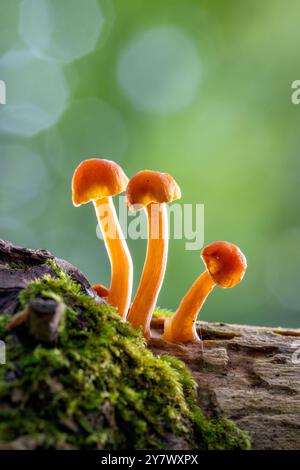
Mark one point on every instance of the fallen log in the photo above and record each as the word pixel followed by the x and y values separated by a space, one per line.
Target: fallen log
pixel 248 374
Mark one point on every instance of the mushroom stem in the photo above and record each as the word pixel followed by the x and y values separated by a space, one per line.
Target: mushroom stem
pixel 119 294
pixel 181 328
pixel 154 269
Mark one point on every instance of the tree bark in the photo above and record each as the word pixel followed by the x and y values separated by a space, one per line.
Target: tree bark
pixel 248 374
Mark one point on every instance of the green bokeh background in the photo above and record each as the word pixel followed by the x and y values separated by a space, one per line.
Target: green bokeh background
pixel 233 145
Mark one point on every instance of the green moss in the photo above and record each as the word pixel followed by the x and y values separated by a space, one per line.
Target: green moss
pixel 4 320
pixel 100 387
pixel 18 265
pixel 162 312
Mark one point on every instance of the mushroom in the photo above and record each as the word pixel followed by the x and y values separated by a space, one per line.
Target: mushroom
pixel 96 181
pixel 101 290
pixel 151 190
pixel 225 267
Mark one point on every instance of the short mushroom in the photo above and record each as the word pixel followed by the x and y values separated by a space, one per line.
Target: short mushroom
pixel 151 190
pixel 225 267
pixel 101 290
pixel 97 180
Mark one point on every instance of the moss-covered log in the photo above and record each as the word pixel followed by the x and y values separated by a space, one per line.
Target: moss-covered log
pixel 77 377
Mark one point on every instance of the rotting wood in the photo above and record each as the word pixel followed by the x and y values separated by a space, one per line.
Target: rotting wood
pixel 248 374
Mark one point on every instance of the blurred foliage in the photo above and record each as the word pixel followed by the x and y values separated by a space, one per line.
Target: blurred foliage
pixel 199 89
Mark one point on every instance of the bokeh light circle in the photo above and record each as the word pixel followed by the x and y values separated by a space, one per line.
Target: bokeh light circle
pixel 63 31
pixel 89 128
pixel 159 70
pixel 37 93
pixel 23 177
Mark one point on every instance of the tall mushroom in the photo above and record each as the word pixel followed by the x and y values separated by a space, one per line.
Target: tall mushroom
pixel 151 190
pixel 96 181
pixel 225 267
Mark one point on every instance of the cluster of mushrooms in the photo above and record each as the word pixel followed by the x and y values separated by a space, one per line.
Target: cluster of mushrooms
pixel 97 181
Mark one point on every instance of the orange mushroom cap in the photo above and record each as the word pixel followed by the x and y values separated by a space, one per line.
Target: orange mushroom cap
pixel 148 187
pixel 101 290
pixel 225 263
pixel 96 178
